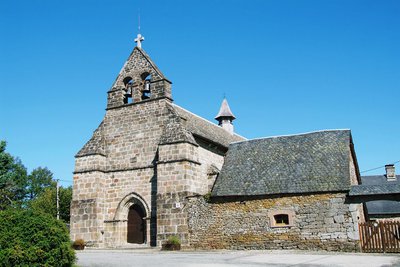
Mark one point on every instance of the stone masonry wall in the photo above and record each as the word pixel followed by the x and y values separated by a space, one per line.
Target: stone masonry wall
pixel 178 176
pixel 87 208
pixel 121 185
pixel 131 135
pixel 90 163
pixel 209 159
pixel 320 222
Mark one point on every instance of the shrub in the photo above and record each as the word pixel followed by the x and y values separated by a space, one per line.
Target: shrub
pixel 174 240
pixel 31 238
pixel 79 244
pixel 173 243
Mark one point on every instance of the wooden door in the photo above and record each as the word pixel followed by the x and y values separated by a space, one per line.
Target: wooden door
pixel 136 225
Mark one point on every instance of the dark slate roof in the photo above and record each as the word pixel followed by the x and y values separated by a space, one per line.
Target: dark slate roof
pixel 95 145
pixel 206 129
pixel 375 185
pixel 312 162
pixel 378 185
pixel 383 207
pixel 377 179
pixel 383 189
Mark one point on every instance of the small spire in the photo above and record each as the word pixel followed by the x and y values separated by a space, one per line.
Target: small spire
pixel 225 117
pixel 225 111
pixel 139 40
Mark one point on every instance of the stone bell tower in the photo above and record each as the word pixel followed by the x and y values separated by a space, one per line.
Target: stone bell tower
pixel 115 179
pixel 138 80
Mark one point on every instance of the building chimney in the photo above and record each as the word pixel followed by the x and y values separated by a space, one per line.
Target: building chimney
pixel 390 172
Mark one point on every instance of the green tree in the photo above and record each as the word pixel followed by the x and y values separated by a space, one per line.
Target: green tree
pixel 13 179
pixel 46 202
pixel 38 180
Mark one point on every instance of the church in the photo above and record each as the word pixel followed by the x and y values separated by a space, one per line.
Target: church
pixel 152 170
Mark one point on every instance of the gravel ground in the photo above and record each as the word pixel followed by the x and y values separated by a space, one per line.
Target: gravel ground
pixel 155 257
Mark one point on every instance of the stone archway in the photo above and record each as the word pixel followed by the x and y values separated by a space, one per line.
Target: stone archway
pixel 133 212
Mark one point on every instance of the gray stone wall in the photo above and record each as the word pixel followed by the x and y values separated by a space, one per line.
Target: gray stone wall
pixel 211 164
pixel 131 135
pixel 87 207
pixel 90 163
pixel 178 176
pixel 319 222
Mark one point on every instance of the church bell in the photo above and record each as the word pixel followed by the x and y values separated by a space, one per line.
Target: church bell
pixel 146 88
pixel 128 92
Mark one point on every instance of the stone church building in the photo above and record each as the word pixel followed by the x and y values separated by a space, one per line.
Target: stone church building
pixel 153 169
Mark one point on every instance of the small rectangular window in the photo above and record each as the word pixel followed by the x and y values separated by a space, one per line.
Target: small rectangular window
pixel 281 219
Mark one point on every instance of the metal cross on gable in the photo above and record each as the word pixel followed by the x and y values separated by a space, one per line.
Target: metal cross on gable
pixel 139 40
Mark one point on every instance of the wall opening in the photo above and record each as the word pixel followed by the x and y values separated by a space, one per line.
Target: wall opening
pixel 128 90
pixel 146 89
pixel 281 220
pixel 136 225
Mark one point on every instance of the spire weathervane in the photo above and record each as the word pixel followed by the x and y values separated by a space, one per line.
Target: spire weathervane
pixel 139 37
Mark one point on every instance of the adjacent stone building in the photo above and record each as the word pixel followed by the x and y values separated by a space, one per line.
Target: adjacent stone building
pixel 153 169
pixel 282 192
pixel 380 195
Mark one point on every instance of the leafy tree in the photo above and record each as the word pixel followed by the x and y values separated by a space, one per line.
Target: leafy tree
pixel 38 180
pixel 13 179
pixel 16 187
pixel 46 202
pixel 32 238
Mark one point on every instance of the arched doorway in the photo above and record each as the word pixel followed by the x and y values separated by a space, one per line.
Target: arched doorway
pixel 134 222
pixel 136 225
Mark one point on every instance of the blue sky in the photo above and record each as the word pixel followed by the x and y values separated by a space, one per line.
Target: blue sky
pixel 286 67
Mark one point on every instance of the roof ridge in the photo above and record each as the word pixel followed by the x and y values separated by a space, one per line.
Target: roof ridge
pixel 289 135
pixel 214 125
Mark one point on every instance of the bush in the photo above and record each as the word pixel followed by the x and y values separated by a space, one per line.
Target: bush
pixel 174 240
pixel 31 238
pixel 79 244
pixel 173 243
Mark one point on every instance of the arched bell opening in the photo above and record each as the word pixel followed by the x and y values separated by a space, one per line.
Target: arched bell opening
pixel 146 81
pixel 128 90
